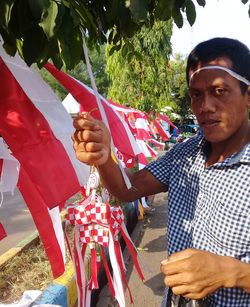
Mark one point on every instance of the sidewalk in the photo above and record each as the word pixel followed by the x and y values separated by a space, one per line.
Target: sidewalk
pixel 150 237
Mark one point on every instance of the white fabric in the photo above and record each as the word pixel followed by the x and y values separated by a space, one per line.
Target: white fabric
pixel 10 170
pixel 70 104
pixel 142 123
pixel 144 149
pixel 57 225
pixel 118 286
pixel 27 299
pixel 229 71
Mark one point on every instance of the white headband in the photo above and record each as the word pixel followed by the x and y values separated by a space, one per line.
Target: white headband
pixel 229 71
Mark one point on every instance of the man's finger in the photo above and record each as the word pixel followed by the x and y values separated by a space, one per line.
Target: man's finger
pixel 88 147
pixel 85 121
pixel 182 254
pixel 88 136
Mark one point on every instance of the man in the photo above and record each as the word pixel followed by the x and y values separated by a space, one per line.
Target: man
pixel 207 178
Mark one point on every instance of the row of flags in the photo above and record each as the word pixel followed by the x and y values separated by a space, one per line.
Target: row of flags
pixel 36 130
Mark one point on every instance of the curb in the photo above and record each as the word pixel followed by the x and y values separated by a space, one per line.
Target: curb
pixel 62 291
pixel 21 246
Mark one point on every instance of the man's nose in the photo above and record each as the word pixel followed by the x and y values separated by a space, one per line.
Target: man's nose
pixel 207 104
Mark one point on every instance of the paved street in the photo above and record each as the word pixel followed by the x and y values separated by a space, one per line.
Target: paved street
pixel 16 219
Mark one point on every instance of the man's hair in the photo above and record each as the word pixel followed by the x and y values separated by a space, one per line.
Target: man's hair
pixel 209 50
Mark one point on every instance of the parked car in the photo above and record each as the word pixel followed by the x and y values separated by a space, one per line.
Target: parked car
pixel 188 129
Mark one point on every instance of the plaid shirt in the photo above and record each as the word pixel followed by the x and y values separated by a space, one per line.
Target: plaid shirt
pixel 208 208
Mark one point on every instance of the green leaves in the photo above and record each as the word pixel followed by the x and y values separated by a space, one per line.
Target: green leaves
pixel 141 67
pixel 5 11
pixel 190 12
pixel 201 2
pixel 49 20
pixel 57 24
pixel 138 8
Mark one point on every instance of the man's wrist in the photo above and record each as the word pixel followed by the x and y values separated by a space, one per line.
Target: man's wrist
pixel 238 273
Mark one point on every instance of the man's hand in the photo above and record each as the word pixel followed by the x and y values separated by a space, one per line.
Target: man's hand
pixel 195 273
pixel 91 140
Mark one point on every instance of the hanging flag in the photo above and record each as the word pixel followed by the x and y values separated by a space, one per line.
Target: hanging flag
pixel 3 233
pixel 121 134
pixel 142 127
pixel 160 130
pixel 46 221
pixel 166 119
pixel 38 131
pixel 40 141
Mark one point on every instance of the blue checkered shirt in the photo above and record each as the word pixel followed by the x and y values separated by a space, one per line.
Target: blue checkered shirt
pixel 208 208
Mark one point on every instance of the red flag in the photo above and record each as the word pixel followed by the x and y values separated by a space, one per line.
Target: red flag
pixel 160 130
pixel 3 233
pixel 33 143
pixel 166 119
pixel 142 127
pixel 37 129
pixel 42 219
pixel 121 134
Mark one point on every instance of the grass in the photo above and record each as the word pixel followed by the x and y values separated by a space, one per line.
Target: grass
pixel 28 271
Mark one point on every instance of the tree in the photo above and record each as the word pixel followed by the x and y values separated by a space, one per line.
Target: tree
pixel 47 29
pixel 139 75
pixel 98 62
pixel 179 101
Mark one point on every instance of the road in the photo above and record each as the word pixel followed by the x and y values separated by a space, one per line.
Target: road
pixel 16 220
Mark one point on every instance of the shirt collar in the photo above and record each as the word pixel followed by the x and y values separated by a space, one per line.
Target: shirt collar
pixel 242 156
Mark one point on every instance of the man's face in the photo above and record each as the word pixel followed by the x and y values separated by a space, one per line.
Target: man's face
pixel 218 103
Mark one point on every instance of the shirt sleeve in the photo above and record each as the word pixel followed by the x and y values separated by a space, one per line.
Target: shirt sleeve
pixel 161 168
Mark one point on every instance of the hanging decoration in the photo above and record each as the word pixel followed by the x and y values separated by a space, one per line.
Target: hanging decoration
pixel 98 227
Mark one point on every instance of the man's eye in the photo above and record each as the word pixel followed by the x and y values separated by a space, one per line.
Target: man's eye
pixel 194 95
pixel 219 91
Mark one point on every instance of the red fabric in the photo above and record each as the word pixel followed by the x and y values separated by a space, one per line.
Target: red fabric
pixel 160 130
pixel 33 143
pixel 3 233
pixel 142 159
pixel 88 103
pixel 166 119
pixel 109 277
pixel 141 132
pixel 43 222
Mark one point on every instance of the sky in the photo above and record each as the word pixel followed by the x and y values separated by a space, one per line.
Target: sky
pixel 228 18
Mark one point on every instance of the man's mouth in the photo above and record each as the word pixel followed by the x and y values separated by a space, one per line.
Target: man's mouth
pixel 209 123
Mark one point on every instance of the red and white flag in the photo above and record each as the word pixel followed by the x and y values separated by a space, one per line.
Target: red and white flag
pixel 37 129
pixel 121 134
